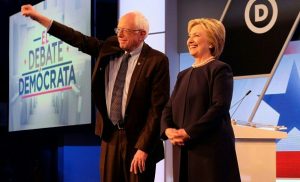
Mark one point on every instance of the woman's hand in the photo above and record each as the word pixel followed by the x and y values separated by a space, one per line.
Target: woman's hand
pixel 177 137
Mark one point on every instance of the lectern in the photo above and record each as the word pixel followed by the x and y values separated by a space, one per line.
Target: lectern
pixel 256 152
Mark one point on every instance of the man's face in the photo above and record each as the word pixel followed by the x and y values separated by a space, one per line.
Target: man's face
pixel 129 36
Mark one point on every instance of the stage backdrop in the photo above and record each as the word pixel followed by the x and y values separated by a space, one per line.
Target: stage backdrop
pixel 49 80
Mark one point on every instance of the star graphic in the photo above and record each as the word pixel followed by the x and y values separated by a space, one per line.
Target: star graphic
pixel 287 104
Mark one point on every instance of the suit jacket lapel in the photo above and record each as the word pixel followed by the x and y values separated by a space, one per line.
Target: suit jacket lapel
pixel 137 70
pixel 109 48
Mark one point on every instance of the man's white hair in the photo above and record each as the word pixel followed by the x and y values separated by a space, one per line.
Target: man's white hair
pixel 140 21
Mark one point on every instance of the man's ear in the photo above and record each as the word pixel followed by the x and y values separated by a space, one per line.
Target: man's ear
pixel 143 33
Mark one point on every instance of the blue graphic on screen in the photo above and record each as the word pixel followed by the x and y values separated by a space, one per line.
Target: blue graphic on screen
pixel 283 98
pixel 49 80
pixel 280 104
pixel 287 104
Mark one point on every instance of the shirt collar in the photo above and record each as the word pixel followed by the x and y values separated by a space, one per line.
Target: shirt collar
pixel 137 50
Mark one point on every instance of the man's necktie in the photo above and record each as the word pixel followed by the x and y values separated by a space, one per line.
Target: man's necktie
pixel 117 94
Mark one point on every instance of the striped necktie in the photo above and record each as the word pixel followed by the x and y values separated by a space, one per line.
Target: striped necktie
pixel 117 94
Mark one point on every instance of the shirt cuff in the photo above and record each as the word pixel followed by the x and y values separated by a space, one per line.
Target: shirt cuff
pixel 49 25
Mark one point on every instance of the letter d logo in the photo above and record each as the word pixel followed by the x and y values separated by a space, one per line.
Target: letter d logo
pixel 261 13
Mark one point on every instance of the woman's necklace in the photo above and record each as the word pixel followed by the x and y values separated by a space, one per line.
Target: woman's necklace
pixel 196 65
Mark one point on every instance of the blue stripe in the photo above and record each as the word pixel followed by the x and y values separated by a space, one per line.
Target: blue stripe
pixel 39 38
pixel 29 72
pixel 53 66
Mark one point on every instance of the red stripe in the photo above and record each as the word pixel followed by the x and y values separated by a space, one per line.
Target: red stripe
pixel 288 164
pixel 293 48
pixel 47 92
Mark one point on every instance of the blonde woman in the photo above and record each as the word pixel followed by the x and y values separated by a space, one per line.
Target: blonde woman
pixel 196 119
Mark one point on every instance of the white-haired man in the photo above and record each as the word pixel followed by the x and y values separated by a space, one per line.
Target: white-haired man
pixel 129 99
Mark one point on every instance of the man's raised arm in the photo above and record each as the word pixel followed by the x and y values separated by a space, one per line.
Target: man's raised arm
pixel 29 11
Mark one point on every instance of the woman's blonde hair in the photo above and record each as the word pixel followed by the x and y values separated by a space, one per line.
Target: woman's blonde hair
pixel 215 31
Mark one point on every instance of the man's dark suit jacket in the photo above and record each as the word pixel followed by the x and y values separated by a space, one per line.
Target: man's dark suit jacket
pixel 147 95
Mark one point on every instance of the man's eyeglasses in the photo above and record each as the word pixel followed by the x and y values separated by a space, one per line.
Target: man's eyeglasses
pixel 126 30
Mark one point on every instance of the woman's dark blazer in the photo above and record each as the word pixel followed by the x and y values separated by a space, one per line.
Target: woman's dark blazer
pixel 200 104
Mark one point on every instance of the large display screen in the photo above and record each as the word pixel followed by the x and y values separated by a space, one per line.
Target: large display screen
pixel 49 80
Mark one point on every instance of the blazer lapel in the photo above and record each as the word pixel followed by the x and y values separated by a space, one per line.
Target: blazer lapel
pixel 137 70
